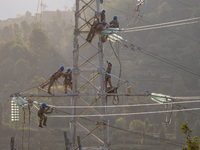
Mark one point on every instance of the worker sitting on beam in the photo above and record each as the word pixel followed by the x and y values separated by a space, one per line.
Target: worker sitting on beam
pixel 95 28
pixel 53 78
pixel 114 23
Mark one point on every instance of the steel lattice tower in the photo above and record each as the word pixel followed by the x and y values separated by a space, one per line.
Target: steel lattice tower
pixel 78 70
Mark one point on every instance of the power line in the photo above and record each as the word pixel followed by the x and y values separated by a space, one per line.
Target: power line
pixel 165 23
pixel 135 105
pixel 127 114
pixel 163 59
pixel 171 25
pixel 136 133
pixel 170 62
pixel 188 5
pixel 151 23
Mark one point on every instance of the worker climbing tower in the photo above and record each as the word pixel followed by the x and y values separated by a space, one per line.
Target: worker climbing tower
pixel 80 82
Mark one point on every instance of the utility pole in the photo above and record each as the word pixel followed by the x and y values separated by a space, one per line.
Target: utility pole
pixel 80 80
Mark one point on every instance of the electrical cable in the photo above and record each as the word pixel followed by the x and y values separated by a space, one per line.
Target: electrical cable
pixel 188 5
pixel 165 23
pixel 150 22
pixel 164 60
pixel 135 105
pixel 171 25
pixel 128 114
pixel 136 133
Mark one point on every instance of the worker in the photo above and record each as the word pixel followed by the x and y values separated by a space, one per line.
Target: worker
pixel 107 76
pixel 68 79
pixel 114 23
pixel 103 16
pixel 53 78
pixel 95 28
pixel 41 113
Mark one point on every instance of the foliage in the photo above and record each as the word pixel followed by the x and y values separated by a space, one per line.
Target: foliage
pixel 192 145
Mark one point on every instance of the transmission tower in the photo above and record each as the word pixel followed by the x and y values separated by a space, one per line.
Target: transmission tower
pixel 80 64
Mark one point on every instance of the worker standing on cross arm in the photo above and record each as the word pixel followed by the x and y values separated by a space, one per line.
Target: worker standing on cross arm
pixel 41 113
pixel 68 79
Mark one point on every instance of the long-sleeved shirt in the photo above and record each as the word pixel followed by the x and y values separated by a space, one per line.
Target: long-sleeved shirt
pixel 103 17
pixel 43 111
pixel 114 24
pixel 57 74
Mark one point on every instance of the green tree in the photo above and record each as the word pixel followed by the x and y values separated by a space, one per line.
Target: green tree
pixel 191 145
pixel 137 125
pixel 120 122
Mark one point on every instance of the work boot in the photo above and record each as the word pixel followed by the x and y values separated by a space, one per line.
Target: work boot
pixel 42 86
pixel 49 92
pixel 40 126
pixel 44 125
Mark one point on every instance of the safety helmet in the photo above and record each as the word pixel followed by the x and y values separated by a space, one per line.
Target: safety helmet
pixel 104 23
pixel 115 17
pixel 44 105
pixel 68 69
pixel 62 67
pixel 103 11
pixel 110 63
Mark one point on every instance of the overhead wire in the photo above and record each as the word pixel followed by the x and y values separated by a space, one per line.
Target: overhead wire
pixel 150 22
pixel 134 105
pixel 165 23
pixel 158 27
pixel 188 5
pixel 136 133
pixel 169 61
pixel 128 114
pixel 163 59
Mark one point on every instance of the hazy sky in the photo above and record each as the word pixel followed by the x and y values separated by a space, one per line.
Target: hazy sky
pixel 10 8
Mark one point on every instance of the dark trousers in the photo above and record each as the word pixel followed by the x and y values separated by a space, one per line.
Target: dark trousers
pixel 42 117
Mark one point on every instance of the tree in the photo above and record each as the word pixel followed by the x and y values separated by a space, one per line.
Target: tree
pixel 137 125
pixel 37 39
pixel 5 32
pixel 192 145
pixel 21 70
pixel 26 29
pixel 16 28
pixel 120 122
